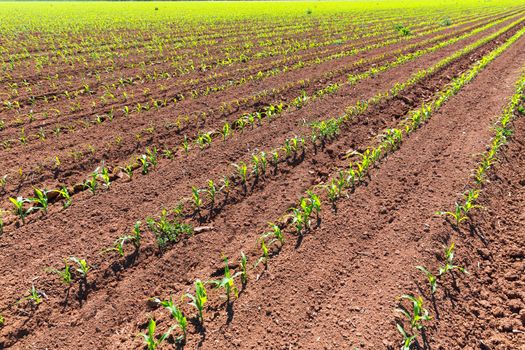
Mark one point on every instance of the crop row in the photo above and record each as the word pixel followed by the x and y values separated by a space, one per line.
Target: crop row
pixel 416 316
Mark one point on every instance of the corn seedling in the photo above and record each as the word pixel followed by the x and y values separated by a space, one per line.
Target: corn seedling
pixel 196 198
pixel 185 145
pixel 265 256
pixel 3 182
pixel 419 313
pixel 212 192
pixel 64 274
pixel 20 210
pixel 457 214
pixel 128 170
pixel 2 321
pixel 104 174
pixel 242 171
pixel 199 299
pixel 150 339
pixel 432 279
pixel 227 282
pixel 145 164
pixel 276 234
pixel 168 154
pixel 449 262
pixel 392 139
pixel 176 313
pixel 41 199
pixel 64 193
pixel 83 267
pixel 203 140
pixel 35 296
pixel 226 131
pixel 118 245
pixel 408 339
pixel 91 183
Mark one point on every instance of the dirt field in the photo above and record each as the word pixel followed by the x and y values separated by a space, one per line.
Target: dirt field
pixel 335 146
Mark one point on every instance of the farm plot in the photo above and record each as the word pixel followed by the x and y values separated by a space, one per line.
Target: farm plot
pixel 275 175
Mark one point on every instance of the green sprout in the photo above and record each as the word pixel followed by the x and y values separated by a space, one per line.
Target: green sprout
pixel 176 313
pixel 199 299
pixel 150 339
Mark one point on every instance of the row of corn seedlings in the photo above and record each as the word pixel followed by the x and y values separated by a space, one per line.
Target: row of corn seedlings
pixel 461 212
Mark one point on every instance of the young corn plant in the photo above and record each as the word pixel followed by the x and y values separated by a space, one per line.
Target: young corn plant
pixel 41 199
pixel 265 254
pixel 275 234
pixel 104 175
pixel 64 193
pixel 392 139
pixel 185 145
pixel 204 139
pixel 3 182
pixel 134 238
pixel 457 214
pixel 196 198
pixel 35 296
pixel 152 156
pixel 144 163
pixel 242 171
pixel 461 212
pixel 449 262
pixel 408 339
pixel 83 267
pixel 91 183
pixel 243 264
pixel 212 192
pixel 150 339
pixel 419 313
pixel 20 210
pixel 432 279
pixel 227 282
pixel 64 274
pixel 226 132
pixel 199 299
pixel 177 314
